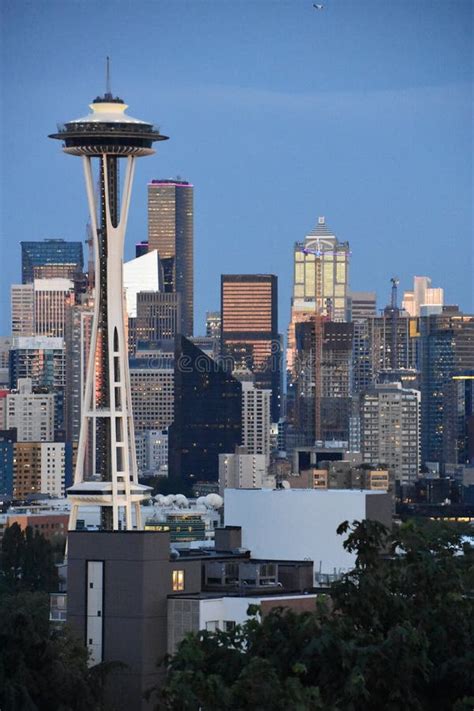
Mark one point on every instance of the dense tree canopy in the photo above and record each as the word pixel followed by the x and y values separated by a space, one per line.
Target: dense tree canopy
pixel 42 667
pixel 27 561
pixel 397 633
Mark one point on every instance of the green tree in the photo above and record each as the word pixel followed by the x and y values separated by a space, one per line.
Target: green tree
pixel 44 668
pixel 27 561
pixel 397 633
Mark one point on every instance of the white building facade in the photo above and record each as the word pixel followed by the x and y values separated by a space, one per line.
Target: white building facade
pixel 30 413
pixel 256 419
pixel 390 430
pixel 53 468
pixel 243 471
pixel 292 524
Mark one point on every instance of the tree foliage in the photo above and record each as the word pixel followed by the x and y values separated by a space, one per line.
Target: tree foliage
pixel 397 633
pixel 27 561
pixel 42 668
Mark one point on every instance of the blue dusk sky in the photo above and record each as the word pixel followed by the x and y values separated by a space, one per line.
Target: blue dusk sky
pixel 276 112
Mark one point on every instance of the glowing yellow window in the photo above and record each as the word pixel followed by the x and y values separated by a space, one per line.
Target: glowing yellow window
pixel 178 580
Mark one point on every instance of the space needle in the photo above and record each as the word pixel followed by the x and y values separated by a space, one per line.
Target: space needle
pixel 108 134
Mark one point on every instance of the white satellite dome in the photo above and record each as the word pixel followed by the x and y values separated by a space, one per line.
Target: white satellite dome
pixel 214 501
pixel 181 501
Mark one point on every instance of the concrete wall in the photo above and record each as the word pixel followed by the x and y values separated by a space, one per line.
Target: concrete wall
pixel 137 580
pixel 291 524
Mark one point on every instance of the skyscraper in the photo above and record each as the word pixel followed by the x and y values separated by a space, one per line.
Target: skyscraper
pixel 170 231
pixel 38 308
pixel 321 279
pixel 363 308
pixel 51 258
pixel 446 349
pixel 158 316
pixel 423 294
pixel 108 134
pixel 31 413
pixel 143 273
pixel 51 297
pixel 23 309
pixel 207 415
pixel 390 430
pixel 323 366
pixel 256 419
pixel 151 383
pixel 78 330
pixel 249 329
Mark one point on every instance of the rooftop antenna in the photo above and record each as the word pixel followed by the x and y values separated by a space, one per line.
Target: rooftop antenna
pixel 108 91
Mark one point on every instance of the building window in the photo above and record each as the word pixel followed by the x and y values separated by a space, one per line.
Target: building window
pixel 178 580
pixel 229 625
pixel 212 625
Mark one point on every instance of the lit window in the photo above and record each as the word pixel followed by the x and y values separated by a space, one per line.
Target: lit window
pixel 178 580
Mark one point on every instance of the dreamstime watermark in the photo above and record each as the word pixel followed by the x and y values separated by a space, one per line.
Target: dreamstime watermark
pixel 204 364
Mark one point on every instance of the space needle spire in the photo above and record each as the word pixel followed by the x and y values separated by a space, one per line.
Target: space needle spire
pixel 108 135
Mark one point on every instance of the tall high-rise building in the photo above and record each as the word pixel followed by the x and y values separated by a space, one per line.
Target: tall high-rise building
pixel 362 308
pixel 322 386
pixel 249 329
pixel 41 358
pixel 41 467
pixel 31 413
pixel 446 349
pixel 423 294
pixel 5 345
pixel 170 231
pixel 108 134
pixel 390 430
pixel 321 281
pixel 158 316
pixel 152 388
pixel 51 297
pixel 362 305
pixel 51 258
pixel 207 415
pixel 7 442
pixel 256 419
pixel 213 325
pixel 38 308
pixel 143 273
pixel 152 452
pixel 22 309
pixel 78 330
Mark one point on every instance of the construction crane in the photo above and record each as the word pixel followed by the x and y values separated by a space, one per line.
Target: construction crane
pixel 395 282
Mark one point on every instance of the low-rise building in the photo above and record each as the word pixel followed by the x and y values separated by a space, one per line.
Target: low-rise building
pixel 242 470
pixel 297 524
pixel 50 524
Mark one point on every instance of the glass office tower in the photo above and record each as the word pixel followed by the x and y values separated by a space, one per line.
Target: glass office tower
pixel 207 415
pixel 49 259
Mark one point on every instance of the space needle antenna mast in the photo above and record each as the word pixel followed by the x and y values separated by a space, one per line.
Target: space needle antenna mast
pixel 108 135
pixel 108 90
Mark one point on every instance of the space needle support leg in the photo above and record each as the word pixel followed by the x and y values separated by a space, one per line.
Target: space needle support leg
pixel 87 395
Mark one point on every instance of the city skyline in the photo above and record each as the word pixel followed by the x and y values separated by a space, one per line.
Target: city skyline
pixel 390 143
